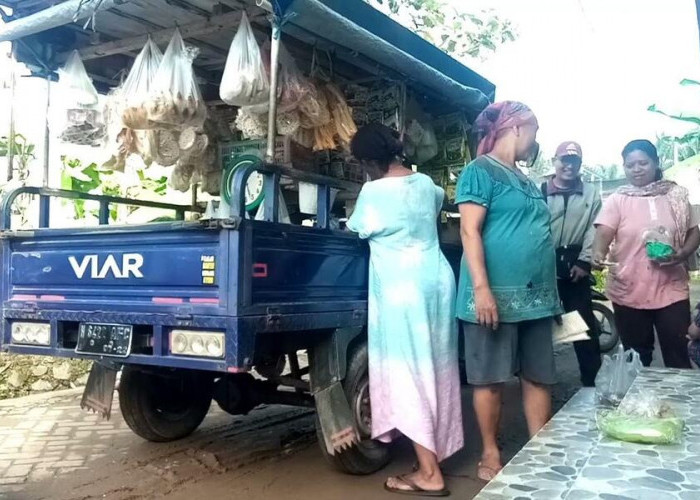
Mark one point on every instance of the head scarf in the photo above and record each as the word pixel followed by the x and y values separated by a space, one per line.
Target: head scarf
pixel 678 199
pixel 498 117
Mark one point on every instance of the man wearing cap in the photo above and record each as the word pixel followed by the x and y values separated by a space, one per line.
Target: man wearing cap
pixel 574 206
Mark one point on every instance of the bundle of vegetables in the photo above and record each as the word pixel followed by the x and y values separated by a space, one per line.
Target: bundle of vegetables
pixel 644 430
pixel 642 418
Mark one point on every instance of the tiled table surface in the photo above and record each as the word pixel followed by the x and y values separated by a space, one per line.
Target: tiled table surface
pixel 569 459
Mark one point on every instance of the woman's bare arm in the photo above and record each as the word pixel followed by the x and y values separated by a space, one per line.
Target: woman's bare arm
pixel 471 223
pixel 692 242
pixel 604 237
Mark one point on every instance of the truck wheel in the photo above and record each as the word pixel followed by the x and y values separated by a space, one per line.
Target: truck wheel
pixel 164 405
pixel 368 456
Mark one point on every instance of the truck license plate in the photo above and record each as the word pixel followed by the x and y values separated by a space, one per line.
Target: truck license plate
pixel 104 339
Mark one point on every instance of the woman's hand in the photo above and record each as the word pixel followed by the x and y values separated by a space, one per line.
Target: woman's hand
pixel 486 308
pixel 674 259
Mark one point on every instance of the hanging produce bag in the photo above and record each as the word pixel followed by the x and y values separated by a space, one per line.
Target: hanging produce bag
pixel 79 119
pixel 175 100
pixel 133 94
pixel 245 81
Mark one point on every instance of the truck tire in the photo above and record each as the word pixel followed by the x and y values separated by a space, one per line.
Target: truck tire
pixel 163 405
pixel 368 456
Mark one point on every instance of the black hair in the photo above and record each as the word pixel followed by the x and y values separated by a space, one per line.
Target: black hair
pixel 378 144
pixel 647 148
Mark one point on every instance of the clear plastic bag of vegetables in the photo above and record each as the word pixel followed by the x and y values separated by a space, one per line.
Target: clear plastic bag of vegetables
pixel 642 418
pixel 175 100
pixel 136 89
pixel 245 81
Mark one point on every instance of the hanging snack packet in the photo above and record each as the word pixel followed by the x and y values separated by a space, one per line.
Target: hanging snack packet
pixel 80 120
pixel 136 89
pixel 175 100
pixel 245 81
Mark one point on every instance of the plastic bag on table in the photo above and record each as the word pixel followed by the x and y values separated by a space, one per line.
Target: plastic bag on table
pixel 658 242
pixel 616 375
pixel 245 81
pixel 642 418
pixel 175 100
pixel 136 89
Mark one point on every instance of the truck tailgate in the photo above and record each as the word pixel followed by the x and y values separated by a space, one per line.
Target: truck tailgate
pixel 111 268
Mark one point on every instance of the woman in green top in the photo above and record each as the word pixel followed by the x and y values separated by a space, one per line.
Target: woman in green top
pixel 507 292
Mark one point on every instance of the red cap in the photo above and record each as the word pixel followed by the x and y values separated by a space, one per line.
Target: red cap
pixel 569 148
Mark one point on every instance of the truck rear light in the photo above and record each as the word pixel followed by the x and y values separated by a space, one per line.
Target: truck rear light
pixel 197 343
pixel 31 333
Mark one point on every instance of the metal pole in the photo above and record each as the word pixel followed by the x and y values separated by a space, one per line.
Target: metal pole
pixel 11 139
pixel 274 73
pixel 45 175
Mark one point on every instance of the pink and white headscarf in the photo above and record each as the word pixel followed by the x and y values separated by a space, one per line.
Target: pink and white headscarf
pixel 498 117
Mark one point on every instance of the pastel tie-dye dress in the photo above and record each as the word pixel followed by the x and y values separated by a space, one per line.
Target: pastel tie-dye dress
pixel 413 357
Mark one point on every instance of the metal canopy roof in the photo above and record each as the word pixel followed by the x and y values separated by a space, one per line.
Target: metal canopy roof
pixel 363 41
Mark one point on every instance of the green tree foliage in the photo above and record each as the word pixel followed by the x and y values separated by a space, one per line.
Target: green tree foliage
pixel 91 179
pixel 23 152
pixel 454 29
pixel 673 149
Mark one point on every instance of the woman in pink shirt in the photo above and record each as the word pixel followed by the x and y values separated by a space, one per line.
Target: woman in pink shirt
pixel 648 294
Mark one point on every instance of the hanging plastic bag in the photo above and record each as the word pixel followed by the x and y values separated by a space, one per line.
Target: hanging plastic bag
pixel 313 107
pixel 642 418
pixel 616 375
pixel 79 119
pixel 76 86
pixel 137 88
pixel 245 81
pixel 427 148
pixel 175 100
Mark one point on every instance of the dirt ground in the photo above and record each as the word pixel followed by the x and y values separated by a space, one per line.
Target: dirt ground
pixel 270 453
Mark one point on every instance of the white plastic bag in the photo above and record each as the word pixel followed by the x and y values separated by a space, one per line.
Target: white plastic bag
pixel 136 89
pixel 245 81
pixel 76 86
pixel 78 117
pixel 616 375
pixel 175 100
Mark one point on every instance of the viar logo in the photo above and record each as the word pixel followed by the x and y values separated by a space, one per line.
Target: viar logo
pixel 130 266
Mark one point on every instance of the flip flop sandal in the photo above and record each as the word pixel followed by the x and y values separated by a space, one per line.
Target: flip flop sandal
pixel 415 490
pixel 486 473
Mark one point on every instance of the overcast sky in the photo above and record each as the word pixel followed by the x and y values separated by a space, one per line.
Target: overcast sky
pixel 590 68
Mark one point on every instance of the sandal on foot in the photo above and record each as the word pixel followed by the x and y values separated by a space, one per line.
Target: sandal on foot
pixel 414 489
pixel 486 473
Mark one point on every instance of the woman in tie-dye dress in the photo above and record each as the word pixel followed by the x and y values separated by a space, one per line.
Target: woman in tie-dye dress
pixel 413 358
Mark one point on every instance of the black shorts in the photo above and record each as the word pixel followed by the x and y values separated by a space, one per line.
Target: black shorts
pixel 522 349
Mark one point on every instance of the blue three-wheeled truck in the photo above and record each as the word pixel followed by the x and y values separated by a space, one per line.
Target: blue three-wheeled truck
pixel 218 308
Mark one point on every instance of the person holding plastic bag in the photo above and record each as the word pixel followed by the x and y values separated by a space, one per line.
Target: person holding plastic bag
pixel 655 232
